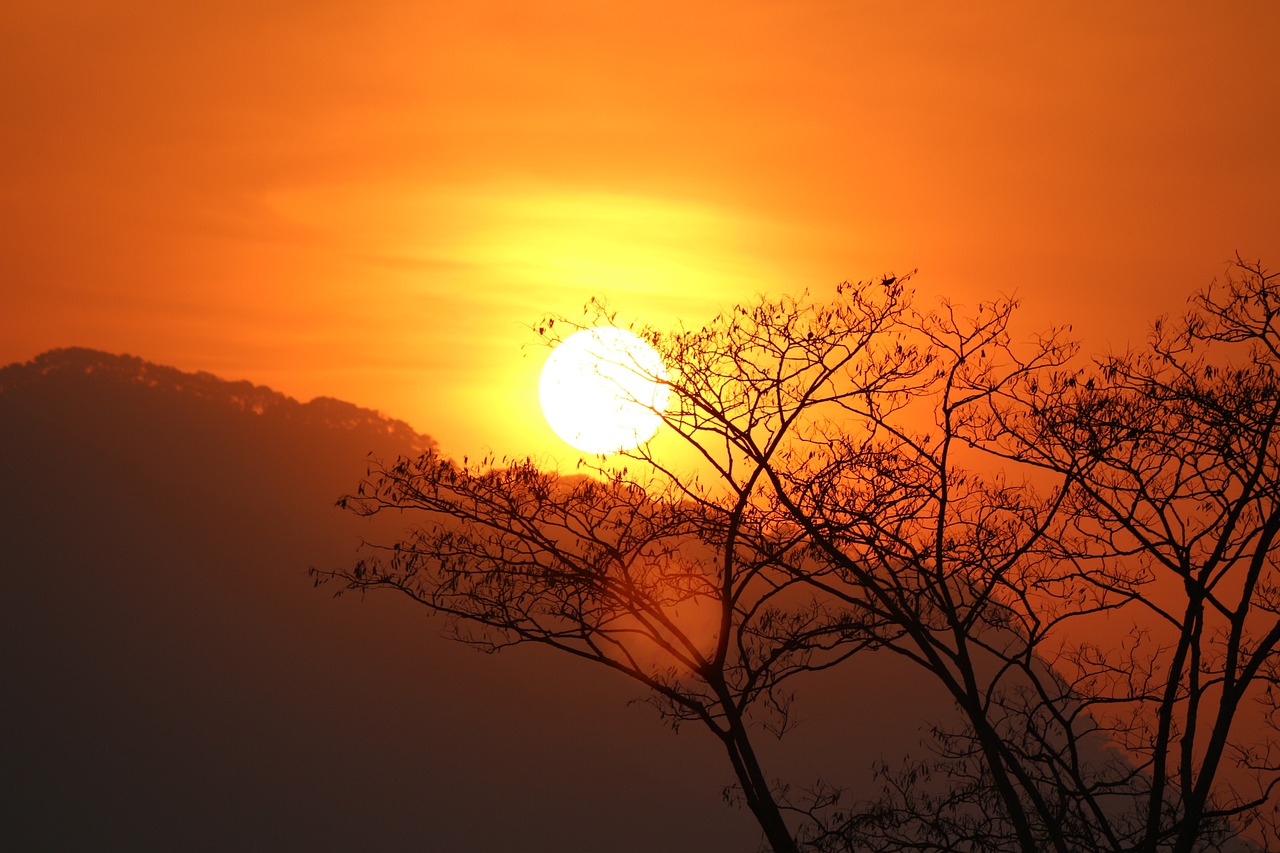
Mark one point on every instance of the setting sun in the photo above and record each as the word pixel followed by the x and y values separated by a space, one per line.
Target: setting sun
pixel 604 390
pixel 913 376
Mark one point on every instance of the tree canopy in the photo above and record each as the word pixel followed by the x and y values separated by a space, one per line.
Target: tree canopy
pixel 1079 552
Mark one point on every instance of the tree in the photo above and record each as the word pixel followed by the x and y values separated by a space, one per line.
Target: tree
pixel 1172 452
pixel 875 477
pixel 1159 526
pixel 693 589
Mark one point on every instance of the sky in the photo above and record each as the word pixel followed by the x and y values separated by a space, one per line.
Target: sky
pixel 376 201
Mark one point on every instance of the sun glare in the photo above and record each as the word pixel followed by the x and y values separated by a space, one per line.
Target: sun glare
pixel 604 390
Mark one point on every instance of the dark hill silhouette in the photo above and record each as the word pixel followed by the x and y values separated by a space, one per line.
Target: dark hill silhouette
pixel 174 681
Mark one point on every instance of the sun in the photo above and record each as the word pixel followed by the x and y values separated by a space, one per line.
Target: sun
pixel 604 390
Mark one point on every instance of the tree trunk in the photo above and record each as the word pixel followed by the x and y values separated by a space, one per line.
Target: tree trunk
pixel 755 789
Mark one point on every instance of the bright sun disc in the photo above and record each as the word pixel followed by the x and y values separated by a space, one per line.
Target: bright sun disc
pixel 604 390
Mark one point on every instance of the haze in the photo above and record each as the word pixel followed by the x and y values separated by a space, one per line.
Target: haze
pixel 374 201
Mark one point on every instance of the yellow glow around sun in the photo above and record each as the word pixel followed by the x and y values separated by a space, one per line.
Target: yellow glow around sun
pixel 604 390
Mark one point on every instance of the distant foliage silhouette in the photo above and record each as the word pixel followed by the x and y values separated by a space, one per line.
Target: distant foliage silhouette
pixel 73 363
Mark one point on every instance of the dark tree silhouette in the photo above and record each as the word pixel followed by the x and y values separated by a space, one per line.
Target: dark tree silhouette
pixel 1172 454
pixel 873 476
pixel 1132 706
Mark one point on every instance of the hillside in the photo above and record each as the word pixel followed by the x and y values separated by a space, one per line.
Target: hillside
pixel 176 682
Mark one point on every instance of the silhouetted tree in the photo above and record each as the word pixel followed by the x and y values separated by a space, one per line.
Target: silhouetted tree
pixel 1143 610
pixel 1172 454
pixel 692 587
pixel 917 482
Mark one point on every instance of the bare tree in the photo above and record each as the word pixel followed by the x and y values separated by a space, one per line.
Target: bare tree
pixel 1139 591
pixel 921 483
pixel 1172 454
pixel 692 588
pixel 953 563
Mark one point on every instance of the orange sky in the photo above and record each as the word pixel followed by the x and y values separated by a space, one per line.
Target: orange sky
pixel 373 201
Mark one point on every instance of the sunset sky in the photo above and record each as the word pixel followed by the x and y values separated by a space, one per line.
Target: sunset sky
pixel 375 201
